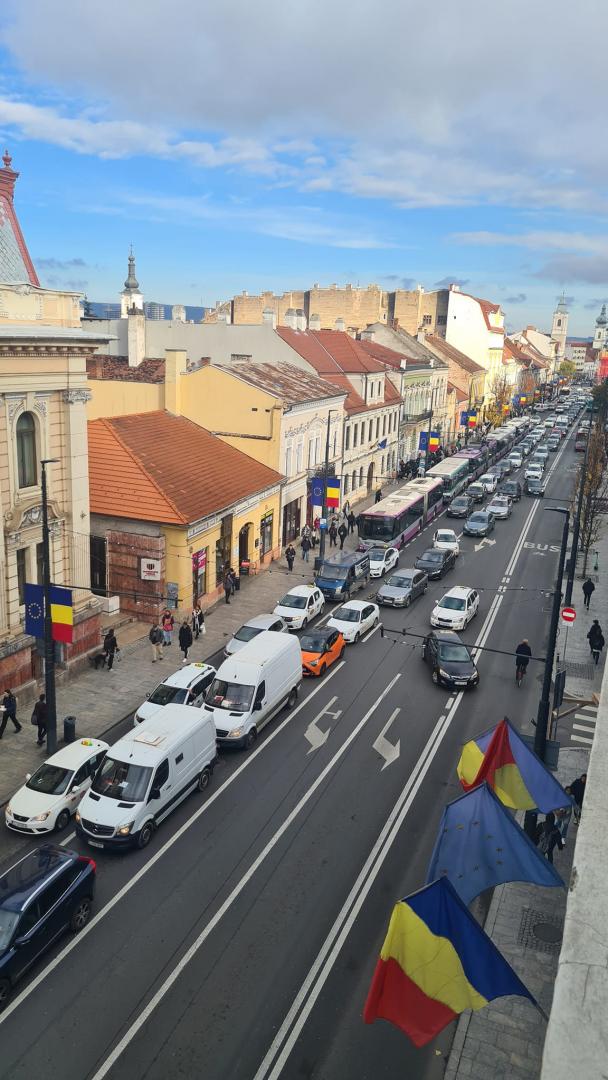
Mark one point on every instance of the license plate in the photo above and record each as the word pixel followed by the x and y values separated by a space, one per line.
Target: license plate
pixel 95 843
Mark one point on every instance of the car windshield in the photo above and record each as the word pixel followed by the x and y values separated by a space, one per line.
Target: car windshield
pixel 347 614
pixel 8 922
pixel 246 633
pixel 452 603
pixel 289 600
pixel 479 517
pixel 487 477
pixel 431 556
pixel 400 581
pixel 460 504
pixel 122 780
pixel 334 573
pixel 457 654
pixel 445 537
pixel 313 643
pixel 50 780
pixel 165 695
pixel 377 554
pixel 234 697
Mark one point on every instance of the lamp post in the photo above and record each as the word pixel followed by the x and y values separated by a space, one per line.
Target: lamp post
pixel 326 474
pixel 577 522
pixel 49 645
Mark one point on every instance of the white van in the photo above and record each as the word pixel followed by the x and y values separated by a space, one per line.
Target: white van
pixel 252 686
pixel 145 775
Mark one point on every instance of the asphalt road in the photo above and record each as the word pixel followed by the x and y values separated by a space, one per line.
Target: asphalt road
pixel 242 941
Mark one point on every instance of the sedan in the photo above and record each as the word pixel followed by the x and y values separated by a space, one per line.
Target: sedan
pixel 320 649
pixel 450 661
pixel 499 470
pixel 534 471
pixel 354 618
pixel 252 628
pixel 476 491
pixel 512 488
pixel 435 563
pixel 479 524
pixel 501 507
pixel 489 481
pixel 403 587
pixel 535 486
pixel 446 540
pixel 460 507
pixel 381 560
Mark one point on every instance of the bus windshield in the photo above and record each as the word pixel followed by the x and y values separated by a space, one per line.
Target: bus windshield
pixel 377 528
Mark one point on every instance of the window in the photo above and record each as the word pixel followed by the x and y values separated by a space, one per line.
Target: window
pixel 442 320
pixel 21 575
pixel 355 434
pixel 347 438
pixel 346 479
pixel 559 322
pixel 377 426
pixel 29 919
pixel 51 894
pixel 427 320
pixel 384 425
pixel 162 774
pixel 335 450
pixel 360 476
pixel 27 470
pixel 80 777
pixel 353 485
pixel 260 693
pixel 371 431
pixel 288 461
pixel 40 563
pixel 299 449
pixel 317 450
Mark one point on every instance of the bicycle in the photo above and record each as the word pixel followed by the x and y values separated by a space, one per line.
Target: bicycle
pixel 520 671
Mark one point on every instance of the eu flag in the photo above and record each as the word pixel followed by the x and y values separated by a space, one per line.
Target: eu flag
pixel 34 610
pixel 479 845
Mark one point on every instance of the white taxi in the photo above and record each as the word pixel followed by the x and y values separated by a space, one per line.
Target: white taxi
pixel 300 605
pixel 354 618
pixel 381 560
pixel 52 794
pixel 446 540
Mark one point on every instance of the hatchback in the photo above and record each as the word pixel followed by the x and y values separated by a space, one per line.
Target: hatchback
pixel 460 507
pixel 45 893
pixel 186 686
pixel 300 605
pixel 381 560
pixel 456 608
pixel 252 628
pixel 436 562
pixel 450 661
pixel 501 507
pixel 320 649
pixel 489 481
pixel 52 794
pixel 446 540
pixel 512 488
pixel 476 491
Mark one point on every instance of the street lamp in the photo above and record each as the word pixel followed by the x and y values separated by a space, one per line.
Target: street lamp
pixel 49 645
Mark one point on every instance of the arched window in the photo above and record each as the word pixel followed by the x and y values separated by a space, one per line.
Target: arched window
pixel 353 484
pixel 27 466
pixel 360 476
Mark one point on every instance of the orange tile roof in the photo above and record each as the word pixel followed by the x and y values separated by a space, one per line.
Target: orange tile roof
pixel 460 394
pixel 330 351
pixel 158 467
pixel 439 346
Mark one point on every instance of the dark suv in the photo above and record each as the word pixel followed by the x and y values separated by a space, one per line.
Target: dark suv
pixel 48 891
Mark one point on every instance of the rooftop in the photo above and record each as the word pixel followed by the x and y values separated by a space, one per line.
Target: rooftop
pixel 151 370
pixel 16 266
pixel 293 385
pixel 330 352
pixel 447 352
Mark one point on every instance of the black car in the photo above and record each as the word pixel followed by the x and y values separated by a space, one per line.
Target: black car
pixel 450 661
pixel 435 562
pixel 534 487
pixel 460 507
pixel 479 524
pixel 512 488
pixel 46 892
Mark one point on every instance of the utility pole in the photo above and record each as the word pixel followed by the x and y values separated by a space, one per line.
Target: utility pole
pixel 325 476
pixel 577 522
pixel 49 644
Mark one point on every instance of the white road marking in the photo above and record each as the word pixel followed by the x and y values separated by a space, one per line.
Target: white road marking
pixel 370 633
pixel 583 727
pixel 67 839
pixel 386 749
pixel 581 739
pixel 213 922
pixel 315 736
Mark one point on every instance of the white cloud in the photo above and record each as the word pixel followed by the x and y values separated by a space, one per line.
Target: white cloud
pixel 538 241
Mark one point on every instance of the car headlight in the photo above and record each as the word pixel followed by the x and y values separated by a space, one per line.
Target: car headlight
pixel 313 663
pixel 8 809
pixel 42 817
pixel 235 733
pixel 125 829
pixel 444 674
pixel 77 816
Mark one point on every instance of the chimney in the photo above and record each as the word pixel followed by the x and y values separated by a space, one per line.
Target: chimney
pixel 300 319
pixel 291 318
pixel 176 364
pixel 340 324
pixel 268 317
pixel 421 336
pixel 367 335
pixel 314 323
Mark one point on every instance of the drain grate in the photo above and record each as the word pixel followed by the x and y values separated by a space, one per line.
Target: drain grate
pixel 584 671
pixel 540 930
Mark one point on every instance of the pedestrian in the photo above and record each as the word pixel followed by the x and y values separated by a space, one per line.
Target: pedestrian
pixel 333 535
pixel 156 637
pixel 185 639
pixel 167 624
pixel 588 589
pixel 110 647
pixel 351 521
pixel 236 582
pixel 198 620
pixel 548 837
pixel 342 533
pixel 378 495
pixel 564 815
pixel 596 640
pixel 306 546
pixel 317 528
pixel 346 508
pixel 9 704
pixel 290 554
pixel 227 583
pixel 39 718
pixel 577 790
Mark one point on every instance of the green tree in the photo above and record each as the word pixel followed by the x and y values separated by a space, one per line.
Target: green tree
pixel 567 369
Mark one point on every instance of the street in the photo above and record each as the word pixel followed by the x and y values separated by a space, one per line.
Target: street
pixel 242 941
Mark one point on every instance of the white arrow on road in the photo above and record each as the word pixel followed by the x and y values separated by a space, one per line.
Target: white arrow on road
pixel 485 541
pixel 315 736
pixel 386 749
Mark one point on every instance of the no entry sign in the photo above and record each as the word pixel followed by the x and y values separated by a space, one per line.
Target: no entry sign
pixel 568 614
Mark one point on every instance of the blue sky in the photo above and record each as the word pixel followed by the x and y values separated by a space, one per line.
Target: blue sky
pixel 263 147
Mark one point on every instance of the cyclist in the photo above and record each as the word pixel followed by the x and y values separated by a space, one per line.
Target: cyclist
pixel 523 653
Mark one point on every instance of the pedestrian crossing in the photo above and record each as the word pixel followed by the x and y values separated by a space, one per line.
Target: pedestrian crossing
pixel 583 725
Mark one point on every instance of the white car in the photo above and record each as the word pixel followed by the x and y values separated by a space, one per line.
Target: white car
pixel 300 605
pixel 489 481
pixel 456 608
pixel 186 686
pixel 534 471
pixel 516 461
pixel 354 618
pixel 381 560
pixel 252 628
pixel 446 540
pixel 501 506
pixel 52 794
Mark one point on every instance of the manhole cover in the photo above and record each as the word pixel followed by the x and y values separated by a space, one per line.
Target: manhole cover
pixel 545 931
pixel 584 671
pixel 540 930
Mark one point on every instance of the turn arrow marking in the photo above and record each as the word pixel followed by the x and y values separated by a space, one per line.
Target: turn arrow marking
pixel 386 749
pixel 315 736
pixel 485 540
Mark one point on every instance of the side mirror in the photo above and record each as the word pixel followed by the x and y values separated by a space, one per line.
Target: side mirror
pixel 257 706
pixel 154 794
pixel 75 790
pixel 19 942
pixel 28 776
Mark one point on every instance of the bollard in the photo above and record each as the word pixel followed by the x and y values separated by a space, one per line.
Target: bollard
pixel 69 729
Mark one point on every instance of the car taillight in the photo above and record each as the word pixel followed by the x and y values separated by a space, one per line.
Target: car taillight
pixel 91 862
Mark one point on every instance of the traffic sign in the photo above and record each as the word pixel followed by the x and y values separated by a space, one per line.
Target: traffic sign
pixel 568 614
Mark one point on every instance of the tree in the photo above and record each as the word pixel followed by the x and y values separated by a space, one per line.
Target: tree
pixel 600 398
pixel 594 476
pixel 567 369
pixel 500 390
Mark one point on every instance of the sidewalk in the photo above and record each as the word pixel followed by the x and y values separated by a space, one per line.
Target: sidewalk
pixel 101 699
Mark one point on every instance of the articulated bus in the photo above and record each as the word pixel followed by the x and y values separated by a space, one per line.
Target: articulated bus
pixel 391 522
pixel 477 458
pixel 454 472
pixel 432 489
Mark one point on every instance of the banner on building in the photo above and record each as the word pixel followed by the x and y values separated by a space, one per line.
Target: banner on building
pixel 424 441
pixel 472 420
pixel 149 569
pixel 62 612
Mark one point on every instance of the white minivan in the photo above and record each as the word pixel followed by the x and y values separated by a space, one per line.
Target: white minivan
pixel 145 775
pixel 252 686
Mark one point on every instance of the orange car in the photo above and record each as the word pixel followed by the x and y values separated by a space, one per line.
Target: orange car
pixel 320 649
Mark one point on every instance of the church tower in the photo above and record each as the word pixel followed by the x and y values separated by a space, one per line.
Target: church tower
pixel 131 297
pixel 601 330
pixel 559 329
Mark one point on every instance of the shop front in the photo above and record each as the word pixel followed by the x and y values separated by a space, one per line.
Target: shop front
pixel 266 533
pixel 291 521
pixel 199 574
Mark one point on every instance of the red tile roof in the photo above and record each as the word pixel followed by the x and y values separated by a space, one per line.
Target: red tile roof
pixel 330 351
pixel 117 368
pixel 384 355
pixel 460 394
pixel 440 347
pixel 158 467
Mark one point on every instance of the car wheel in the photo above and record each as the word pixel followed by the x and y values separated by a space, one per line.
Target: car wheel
pixel 435 678
pixel 322 669
pixel 81 915
pixel 251 738
pixel 375 622
pixel 145 835
pixel 341 654
pixel 408 601
pixel 62 820
pixel 204 779
pixel 5 993
pixel 293 697
pixel 356 638
pixel 304 623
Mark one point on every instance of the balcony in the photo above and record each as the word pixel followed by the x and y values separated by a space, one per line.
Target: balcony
pixel 415 418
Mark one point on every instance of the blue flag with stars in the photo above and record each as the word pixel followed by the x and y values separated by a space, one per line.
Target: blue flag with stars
pixel 479 845
pixel 33 596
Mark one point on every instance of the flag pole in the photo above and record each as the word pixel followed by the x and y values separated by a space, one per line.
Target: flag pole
pixel 49 645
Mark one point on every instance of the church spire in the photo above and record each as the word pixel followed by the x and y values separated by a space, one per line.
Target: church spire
pixel 132 284
pixel 131 297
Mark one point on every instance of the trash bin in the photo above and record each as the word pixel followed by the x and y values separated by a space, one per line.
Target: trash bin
pixel 69 729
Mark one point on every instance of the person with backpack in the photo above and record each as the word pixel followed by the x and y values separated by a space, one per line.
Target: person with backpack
pixel 333 534
pixel 110 647
pixel 549 837
pixel 342 533
pixel 588 589
pixel 155 638
pixel 9 704
pixel 596 640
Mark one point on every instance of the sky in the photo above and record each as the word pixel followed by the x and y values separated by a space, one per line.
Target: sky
pixel 271 146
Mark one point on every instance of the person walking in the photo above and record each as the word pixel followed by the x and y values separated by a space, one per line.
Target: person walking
pixel 596 641
pixel 378 495
pixel 185 639
pixel 39 718
pixel 290 554
pixel 577 790
pixel 9 704
pixel 306 546
pixel 227 583
pixel 564 815
pixel 342 533
pixel 333 535
pixel 198 620
pixel 549 837
pixel 110 647
pixel 156 639
pixel 588 589
pixel 167 623
pixel 351 521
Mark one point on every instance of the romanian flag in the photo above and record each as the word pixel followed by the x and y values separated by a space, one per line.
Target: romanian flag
pixel 513 771
pixel 436 962
pixel 505 408
pixel 332 494
pixel 62 614
pixel 472 421
pixel 433 441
